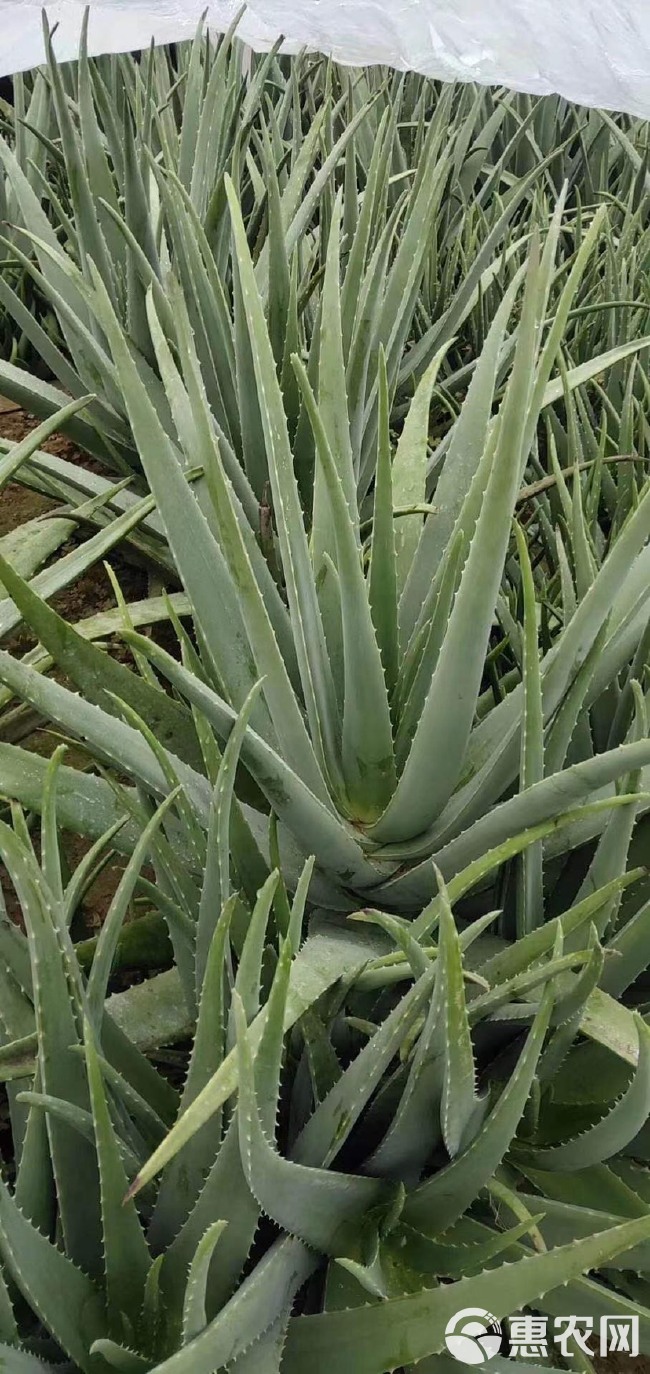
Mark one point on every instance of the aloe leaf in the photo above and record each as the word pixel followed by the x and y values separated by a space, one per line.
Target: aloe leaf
pixel 611 1024
pixel 215 890
pixel 631 946
pixel 456 1259
pixel 152 1013
pixel 551 797
pixel 198 554
pixel 325 957
pixel 491 745
pixel 531 888
pixel 265 1356
pixel 250 1313
pixel 447 717
pixel 21 452
pixel 327 1129
pixel 194 1309
pixel 367 751
pixel 563 1222
pixel 367 1340
pixel 317 829
pixel 332 404
pixel 118 1357
pixel 60 1070
pixel 610 858
pixel 248 981
pixel 305 615
pixel 37 222
pixel 321 1207
pixel 34 543
pixel 412 1132
pixel 284 709
pixel 66 1301
pixel 224 1191
pixel 382 574
pixel 73 564
pixel 8 1328
pixel 100 971
pixel 107 737
pixel 585 372
pixel 376 184
pixel 409 474
pixel 613 1131
pixel 92 241
pixel 442 1199
pixel 459 1099
pixel 126 1256
pixel 466 447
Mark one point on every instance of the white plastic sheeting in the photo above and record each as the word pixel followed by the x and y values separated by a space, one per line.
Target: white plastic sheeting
pixel 596 52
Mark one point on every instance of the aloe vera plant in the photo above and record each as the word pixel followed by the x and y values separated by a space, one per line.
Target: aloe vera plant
pixel 373 1126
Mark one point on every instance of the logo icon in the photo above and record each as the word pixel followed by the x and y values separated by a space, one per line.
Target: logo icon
pixel 473 1336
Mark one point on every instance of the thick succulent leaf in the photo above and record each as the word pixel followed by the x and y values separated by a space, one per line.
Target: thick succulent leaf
pixel 249 1314
pixel 631 944
pixel 107 737
pixel 104 955
pixel 413 1131
pixel 284 709
pixel 448 713
pixel 551 797
pixel 439 1202
pixel 328 1128
pixel 126 1257
pixel 318 830
pixel 459 1098
pixel 333 406
pixel 215 889
pixel 194 1309
pixel 369 1340
pixel 367 749
pixel 466 447
pixel 382 574
pixel 151 1014
pixel 61 1071
pixel 327 955
pixel 530 904
pixel 301 592
pixel 224 1194
pixel 584 372
pixel 198 555
pixel 64 1298
pixel 320 1206
pixel 34 543
pixel 8 1328
pixel 615 1130
pixel 610 858
pixel 71 565
pixel 248 981
pixel 492 755
pixel 562 1222
pixel 118 1357
pixel 409 475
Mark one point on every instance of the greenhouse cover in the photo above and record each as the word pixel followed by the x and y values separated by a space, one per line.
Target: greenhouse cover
pixel 595 52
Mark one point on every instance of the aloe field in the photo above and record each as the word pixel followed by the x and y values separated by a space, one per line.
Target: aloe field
pixel 324 695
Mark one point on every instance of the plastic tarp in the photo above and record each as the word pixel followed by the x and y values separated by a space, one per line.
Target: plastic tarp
pixel 596 52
